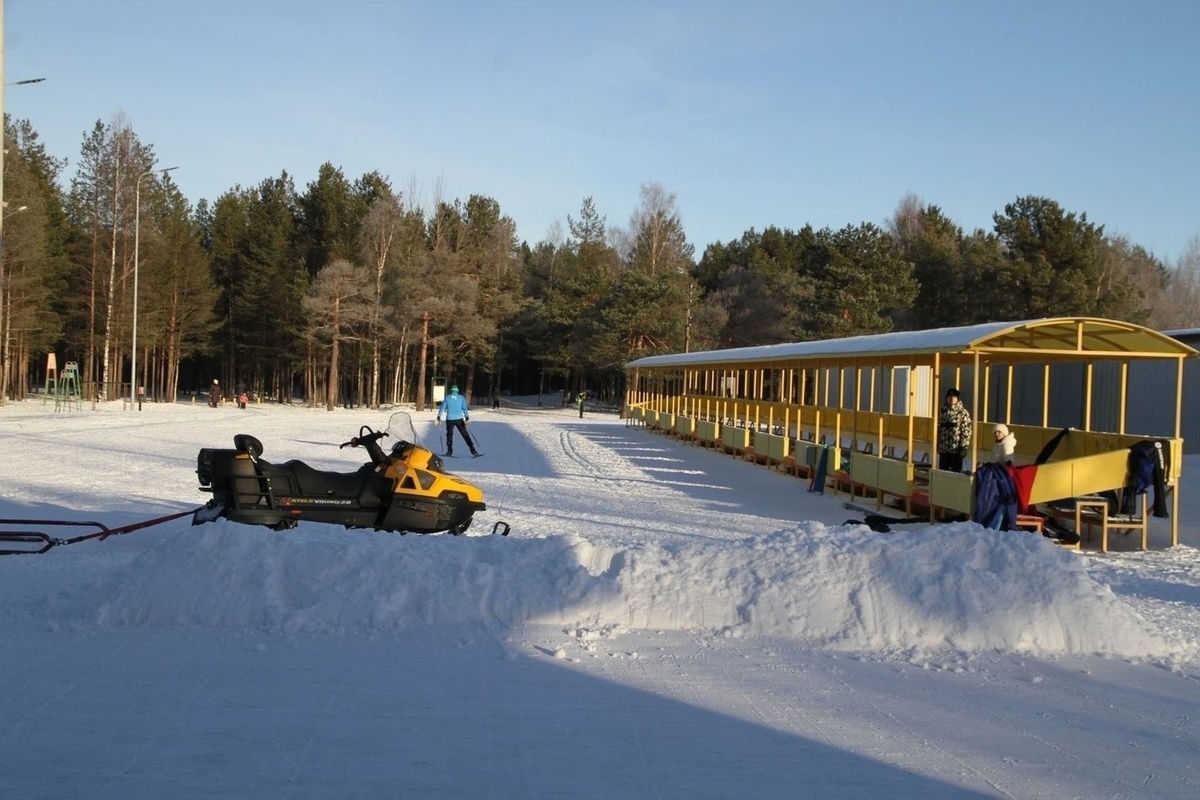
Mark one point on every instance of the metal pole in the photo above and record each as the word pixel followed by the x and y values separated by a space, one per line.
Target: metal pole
pixel 3 141
pixel 137 224
pixel 4 356
pixel 4 370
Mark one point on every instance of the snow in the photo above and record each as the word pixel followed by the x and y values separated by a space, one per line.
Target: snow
pixel 1099 336
pixel 663 621
pixel 929 340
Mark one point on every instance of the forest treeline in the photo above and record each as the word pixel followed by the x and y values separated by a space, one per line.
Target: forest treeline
pixel 353 290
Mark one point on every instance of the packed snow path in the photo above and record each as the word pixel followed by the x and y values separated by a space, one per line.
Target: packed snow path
pixel 662 622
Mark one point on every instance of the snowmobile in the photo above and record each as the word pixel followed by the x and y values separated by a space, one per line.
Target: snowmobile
pixel 406 490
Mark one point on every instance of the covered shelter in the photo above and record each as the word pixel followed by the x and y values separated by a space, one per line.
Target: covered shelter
pixel 873 402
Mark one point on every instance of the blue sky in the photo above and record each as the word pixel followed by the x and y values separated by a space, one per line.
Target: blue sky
pixel 752 113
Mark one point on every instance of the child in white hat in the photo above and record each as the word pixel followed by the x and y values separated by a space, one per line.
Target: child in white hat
pixel 1006 444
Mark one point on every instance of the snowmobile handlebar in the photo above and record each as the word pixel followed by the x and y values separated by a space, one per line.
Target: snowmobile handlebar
pixel 369 439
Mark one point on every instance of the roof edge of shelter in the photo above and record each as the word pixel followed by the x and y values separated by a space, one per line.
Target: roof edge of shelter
pixel 1091 335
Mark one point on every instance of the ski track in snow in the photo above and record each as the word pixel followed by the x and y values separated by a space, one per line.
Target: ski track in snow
pixel 697 626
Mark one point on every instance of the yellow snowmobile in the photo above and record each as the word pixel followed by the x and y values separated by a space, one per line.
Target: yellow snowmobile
pixel 406 490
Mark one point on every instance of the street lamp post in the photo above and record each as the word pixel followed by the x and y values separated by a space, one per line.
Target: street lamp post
pixel 4 368
pixel 134 395
pixel 6 316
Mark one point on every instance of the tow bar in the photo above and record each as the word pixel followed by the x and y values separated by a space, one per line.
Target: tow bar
pixel 37 542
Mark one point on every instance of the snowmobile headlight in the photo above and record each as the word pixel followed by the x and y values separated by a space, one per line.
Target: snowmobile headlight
pixel 453 497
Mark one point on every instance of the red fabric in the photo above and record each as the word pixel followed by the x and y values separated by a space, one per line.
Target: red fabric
pixel 1023 478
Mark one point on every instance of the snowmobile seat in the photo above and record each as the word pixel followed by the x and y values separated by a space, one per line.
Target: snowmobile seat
pixel 319 483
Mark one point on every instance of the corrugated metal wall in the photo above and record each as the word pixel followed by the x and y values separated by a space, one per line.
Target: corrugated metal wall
pixel 1150 405
pixel 1151 384
pixel 918 377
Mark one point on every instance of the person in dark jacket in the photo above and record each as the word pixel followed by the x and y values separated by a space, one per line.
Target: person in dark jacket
pixel 954 433
pixel 458 414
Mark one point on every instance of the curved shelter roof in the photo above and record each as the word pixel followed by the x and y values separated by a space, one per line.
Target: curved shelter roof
pixel 1045 340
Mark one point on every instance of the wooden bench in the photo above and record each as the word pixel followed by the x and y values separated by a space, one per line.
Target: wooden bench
pixel 1031 522
pixel 1092 512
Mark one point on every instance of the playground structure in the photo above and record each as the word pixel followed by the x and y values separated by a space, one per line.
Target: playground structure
pixel 869 404
pixel 63 388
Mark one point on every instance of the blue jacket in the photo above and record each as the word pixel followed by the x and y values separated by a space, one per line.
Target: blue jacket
pixel 995 498
pixel 454 407
pixel 1147 467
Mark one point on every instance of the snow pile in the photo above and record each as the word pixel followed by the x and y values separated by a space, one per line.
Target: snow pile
pixel 847 588
pixel 841 587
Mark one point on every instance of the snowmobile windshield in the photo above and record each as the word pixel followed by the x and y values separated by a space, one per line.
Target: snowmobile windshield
pixel 401 429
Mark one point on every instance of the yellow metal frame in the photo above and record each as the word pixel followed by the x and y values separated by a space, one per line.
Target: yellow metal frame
pixel 810 393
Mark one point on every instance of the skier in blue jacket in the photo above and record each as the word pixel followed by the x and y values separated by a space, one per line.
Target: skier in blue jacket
pixel 457 414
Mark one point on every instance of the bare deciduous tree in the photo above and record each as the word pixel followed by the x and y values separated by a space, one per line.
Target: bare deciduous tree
pixel 657 238
pixel 379 233
pixel 905 224
pixel 103 204
pixel 1179 306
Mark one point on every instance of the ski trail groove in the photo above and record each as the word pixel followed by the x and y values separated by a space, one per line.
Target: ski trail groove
pixel 317 727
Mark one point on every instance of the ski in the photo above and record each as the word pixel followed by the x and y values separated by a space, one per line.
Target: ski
pixel 476 455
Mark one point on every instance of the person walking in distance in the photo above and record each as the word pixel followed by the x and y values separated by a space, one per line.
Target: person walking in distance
pixel 954 433
pixel 458 414
pixel 580 399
